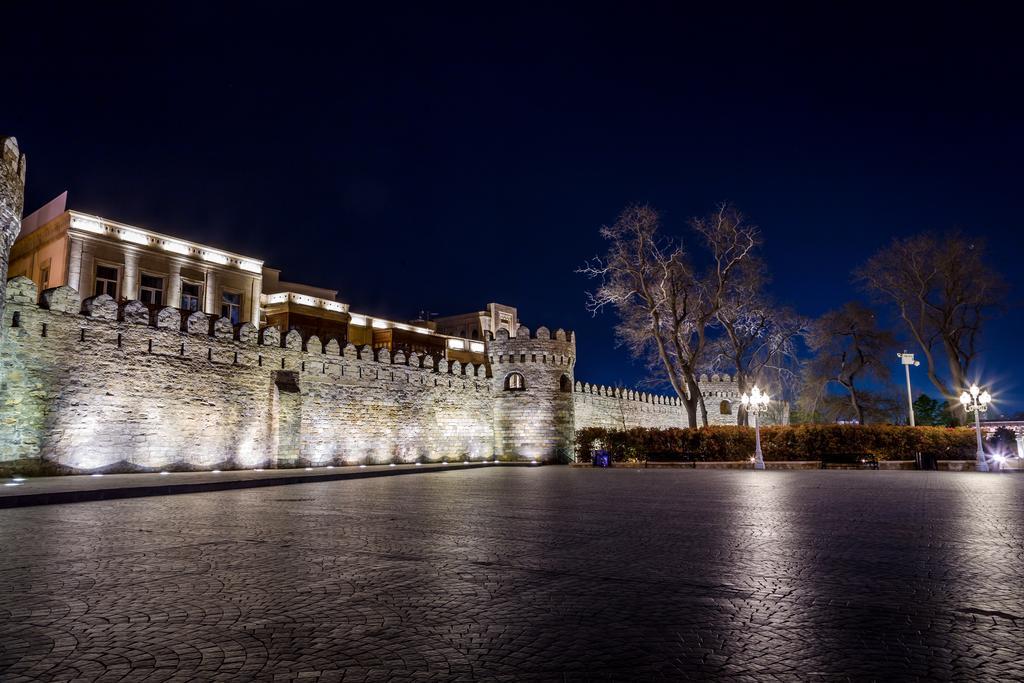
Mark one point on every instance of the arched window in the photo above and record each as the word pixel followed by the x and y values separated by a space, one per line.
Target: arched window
pixel 565 384
pixel 725 408
pixel 514 381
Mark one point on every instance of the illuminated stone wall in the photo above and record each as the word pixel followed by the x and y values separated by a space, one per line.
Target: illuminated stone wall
pixel 617 408
pixel 536 421
pixel 12 197
pixel 119 387
pixel 91 385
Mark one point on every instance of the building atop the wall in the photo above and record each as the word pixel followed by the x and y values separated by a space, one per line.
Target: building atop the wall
pixel 96 255
pixel 310 310
pixel 478 324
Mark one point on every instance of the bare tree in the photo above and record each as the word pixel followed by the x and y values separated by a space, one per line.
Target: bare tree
pixel 665 307
pixel 943 292
pixel 758 340
pixel 848 347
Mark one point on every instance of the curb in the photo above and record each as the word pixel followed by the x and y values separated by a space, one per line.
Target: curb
pixel 88 495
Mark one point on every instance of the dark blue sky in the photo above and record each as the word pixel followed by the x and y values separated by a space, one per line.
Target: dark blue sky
pixel 440 159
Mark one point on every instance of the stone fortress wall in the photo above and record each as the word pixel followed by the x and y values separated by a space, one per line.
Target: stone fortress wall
pixel 619 408
pixel 92 385
pixel 119 386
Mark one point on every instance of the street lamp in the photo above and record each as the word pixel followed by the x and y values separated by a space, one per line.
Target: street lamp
pixel 908 360
pixel 755 404
pixel 976 401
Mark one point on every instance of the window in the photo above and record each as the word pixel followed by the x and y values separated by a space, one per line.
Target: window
pixel 44 275
pixel 151 290
pixel 231 306
pixel 106 280
pixel 725 408
pixel 565 384
pixel 514 381
pixel 191 294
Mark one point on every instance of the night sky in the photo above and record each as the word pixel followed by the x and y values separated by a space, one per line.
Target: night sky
pixel 441 159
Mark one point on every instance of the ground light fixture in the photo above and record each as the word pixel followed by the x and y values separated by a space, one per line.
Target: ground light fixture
pixel 976 401
pixel 756 403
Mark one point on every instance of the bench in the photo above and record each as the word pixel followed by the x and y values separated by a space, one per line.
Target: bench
pixel 849 461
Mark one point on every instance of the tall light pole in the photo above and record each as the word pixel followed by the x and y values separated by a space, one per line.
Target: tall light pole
pixel 976 401
pixel 755 404
pixel 908 360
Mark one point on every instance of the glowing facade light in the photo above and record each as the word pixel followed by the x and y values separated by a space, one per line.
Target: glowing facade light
pixel 88 225
pixel 251 266
pixel 380 325
pixel 358 320
pixel 215 257
pixel 456 344
pixel 476 347
pixel 175 247
pixel 134 236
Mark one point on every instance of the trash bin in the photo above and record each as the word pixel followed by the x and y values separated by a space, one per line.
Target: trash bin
pixel 601 458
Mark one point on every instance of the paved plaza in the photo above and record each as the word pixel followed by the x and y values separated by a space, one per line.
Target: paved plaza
pixel 519 574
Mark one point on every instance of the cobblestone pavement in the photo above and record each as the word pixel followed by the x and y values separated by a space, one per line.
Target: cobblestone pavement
pixel 525 574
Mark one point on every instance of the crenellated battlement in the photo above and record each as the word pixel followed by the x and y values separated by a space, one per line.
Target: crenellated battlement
pixel 626 394
pixel 207 332
pixel 542 346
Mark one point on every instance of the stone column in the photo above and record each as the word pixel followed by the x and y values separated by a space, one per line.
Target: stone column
pixel 257 289
pixel 75 264
pixel 88 270
pixel 12 201
pixel 173 285
pixel 211 303
pixel 130 278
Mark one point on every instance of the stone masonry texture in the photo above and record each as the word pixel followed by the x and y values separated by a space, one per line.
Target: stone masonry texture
pixel 526 574
pixel 12 198
pixel 91 385
pixel 111 388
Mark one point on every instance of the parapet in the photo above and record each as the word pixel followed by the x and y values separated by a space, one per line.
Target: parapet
pixel 104 310
pixel 542 346
pixel 624 394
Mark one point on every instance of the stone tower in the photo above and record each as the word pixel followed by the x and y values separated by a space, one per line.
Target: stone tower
pixel 12 200
pixel 533 380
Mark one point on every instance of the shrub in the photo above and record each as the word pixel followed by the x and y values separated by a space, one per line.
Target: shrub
pixel 799 442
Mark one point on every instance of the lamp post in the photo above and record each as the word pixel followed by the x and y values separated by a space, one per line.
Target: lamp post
pixel 908 360
pixel 976 401
pixel 755 404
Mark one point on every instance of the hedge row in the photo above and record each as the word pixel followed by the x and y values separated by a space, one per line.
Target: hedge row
pixel 799 442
